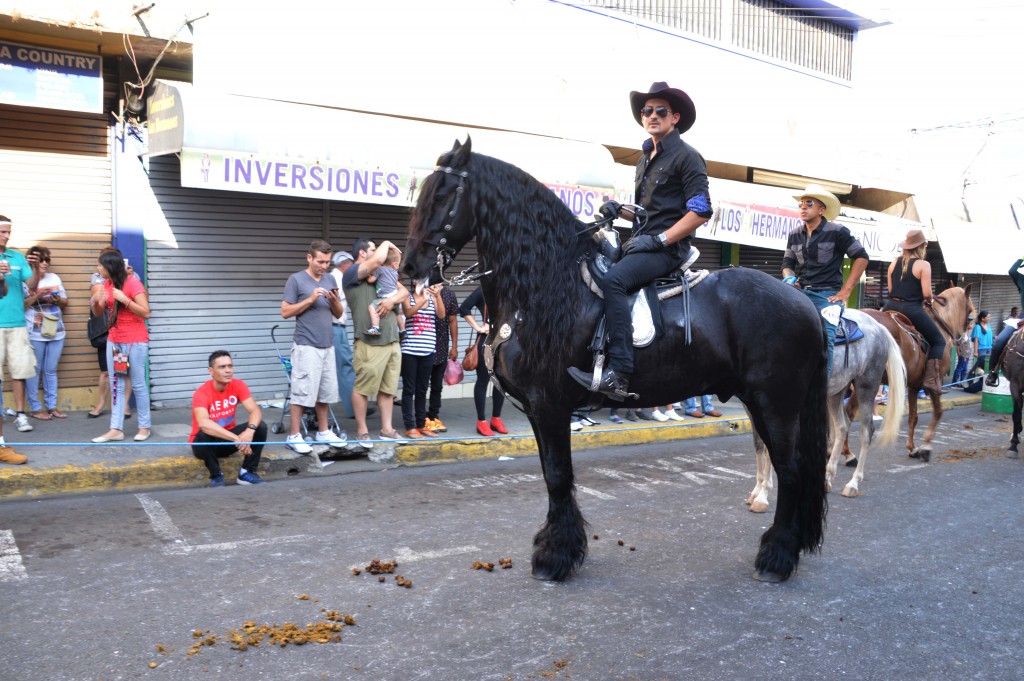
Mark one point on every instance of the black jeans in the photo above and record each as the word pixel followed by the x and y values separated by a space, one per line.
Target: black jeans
pixel 483 378
pixel 436 385
pixel 628 275
pixel 923 323
pixel 415 381
pixel 211 454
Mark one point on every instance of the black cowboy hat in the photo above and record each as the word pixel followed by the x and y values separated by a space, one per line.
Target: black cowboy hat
pixel 679 101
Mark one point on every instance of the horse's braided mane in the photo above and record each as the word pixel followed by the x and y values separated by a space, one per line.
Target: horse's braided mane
pixel 529 238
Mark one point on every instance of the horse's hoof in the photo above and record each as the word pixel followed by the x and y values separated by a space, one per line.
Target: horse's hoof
pixel 849 491
pixel 851 462
pixel 759 507
pixel 925 455
pixel 914 454
pixel 1011 453
pixel 768 577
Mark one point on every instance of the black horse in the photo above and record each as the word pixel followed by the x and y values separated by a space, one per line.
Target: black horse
pixel 752 337
pixel 1013 368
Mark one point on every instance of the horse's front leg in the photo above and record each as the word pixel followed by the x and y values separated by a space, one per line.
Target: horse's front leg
pixel 1018 404
pixel 924 452
pixel 758 499
pixel 911 418
pixel 561 544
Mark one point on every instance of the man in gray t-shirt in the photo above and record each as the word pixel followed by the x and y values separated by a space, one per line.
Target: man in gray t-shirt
pixel 311 297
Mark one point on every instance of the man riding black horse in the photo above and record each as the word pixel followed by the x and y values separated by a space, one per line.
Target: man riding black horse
pixel 672 187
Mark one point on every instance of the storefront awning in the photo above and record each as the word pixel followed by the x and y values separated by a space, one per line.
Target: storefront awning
pixel 976 248
pixel 246 144
pixel 763 216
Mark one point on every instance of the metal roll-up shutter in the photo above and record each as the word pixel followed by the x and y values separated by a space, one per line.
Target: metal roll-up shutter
pixel 710 255
pixel 993 293
pixel 217 283
pixel 350 221
pixel 767 260
pixel 55 185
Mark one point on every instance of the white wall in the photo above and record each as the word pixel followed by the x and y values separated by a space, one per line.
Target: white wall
pixel 528 65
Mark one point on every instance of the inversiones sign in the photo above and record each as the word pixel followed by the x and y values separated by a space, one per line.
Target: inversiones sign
pixel 49 78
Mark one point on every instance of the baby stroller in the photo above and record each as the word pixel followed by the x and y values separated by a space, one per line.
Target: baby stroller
pixel 308 422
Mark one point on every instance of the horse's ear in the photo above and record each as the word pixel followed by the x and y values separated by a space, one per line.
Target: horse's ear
pixel 967 289
pixel 461 152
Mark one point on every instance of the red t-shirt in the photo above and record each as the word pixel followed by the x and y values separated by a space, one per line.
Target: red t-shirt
pixel 129 327
pixel 220 406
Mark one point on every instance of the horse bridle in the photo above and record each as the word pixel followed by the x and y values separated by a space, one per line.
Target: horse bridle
pixel 445 253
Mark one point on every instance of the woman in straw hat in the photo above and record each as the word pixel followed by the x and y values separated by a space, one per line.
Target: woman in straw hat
pixel 910 289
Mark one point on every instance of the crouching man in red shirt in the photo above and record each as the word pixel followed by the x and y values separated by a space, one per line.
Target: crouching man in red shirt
pixel 213 421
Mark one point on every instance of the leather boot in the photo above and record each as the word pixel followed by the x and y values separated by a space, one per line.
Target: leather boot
pixel 611 383
pixel 932 379
pixel 992 380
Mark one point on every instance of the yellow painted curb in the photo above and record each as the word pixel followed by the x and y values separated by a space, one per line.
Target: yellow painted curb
pixel 526 444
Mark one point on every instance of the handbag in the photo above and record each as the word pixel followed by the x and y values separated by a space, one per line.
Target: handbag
pixel 97 331
pixel 453 373
pixel 470 361
pixel 48 329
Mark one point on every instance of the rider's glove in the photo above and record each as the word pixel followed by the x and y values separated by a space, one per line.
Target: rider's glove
pixel 645 243
pixel 610 209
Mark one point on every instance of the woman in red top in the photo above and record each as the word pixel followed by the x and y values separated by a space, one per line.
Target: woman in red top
pixel 127 342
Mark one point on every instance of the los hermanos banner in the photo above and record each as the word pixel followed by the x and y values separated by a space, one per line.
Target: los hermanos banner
pixel 235 171
pixel 767 226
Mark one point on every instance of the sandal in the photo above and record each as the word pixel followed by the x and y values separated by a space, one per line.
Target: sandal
pixel 58 414
pixel 41 415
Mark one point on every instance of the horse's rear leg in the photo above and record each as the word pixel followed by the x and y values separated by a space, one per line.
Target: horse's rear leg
pixel 758 499
pixel 839 427
pixel 867 433
pixel 561 544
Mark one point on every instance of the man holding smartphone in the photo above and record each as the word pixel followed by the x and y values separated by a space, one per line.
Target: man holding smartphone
pixel 17 272
pixel 311 297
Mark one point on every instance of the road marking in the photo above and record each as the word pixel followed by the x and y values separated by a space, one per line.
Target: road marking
pixel 730 471
pixel 904 469
pixel 593 492
pixel 175 542
pixel 487 480
pixel 11 567
pixel 162 523
pixel 404 554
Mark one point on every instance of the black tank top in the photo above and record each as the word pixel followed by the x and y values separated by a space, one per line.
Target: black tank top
pixel 909 288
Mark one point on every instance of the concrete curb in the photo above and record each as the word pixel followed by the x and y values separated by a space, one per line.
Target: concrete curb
pixel 29 482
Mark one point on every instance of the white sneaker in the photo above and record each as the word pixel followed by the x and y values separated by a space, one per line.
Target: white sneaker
pixel 21 420
pixel 330 438
pixel 575 426
pixel 671 414
pixel 297 444
pixel 658 416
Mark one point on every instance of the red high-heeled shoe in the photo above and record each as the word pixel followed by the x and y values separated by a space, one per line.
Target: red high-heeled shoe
pixel 498 426
pixel 484 428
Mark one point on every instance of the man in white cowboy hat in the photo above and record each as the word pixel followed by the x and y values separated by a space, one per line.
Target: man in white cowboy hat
pixel 814 258
pixel 672 187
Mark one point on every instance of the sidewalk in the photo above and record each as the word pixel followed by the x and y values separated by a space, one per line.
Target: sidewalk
pixel 62 460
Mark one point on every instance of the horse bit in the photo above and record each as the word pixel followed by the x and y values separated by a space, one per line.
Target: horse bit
pixel 445 253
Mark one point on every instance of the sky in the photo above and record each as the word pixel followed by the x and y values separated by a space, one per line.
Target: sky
pixel 943 80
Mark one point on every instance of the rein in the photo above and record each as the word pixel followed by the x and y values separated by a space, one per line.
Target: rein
pixel 942 302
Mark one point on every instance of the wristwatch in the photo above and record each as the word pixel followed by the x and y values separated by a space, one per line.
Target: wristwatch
pixel 663 239
pixel 252 426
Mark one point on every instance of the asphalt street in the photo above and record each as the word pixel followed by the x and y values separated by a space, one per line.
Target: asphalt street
pixel 918 578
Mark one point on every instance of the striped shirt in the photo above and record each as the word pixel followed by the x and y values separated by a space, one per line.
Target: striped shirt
pixel 420 330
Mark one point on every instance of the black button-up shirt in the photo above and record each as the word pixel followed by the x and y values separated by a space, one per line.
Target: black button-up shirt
pixel 818 259
pixel 672 184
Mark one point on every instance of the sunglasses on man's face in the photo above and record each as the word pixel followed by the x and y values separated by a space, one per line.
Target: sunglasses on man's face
pixel 805 203
pixel 661 111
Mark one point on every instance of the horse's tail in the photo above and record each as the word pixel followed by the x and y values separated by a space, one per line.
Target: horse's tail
pixel 813 451
pixel 896 370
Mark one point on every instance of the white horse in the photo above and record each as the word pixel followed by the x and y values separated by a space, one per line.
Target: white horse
pixel 862 363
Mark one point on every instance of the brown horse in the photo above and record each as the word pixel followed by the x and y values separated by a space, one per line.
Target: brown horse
pixel 952 310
